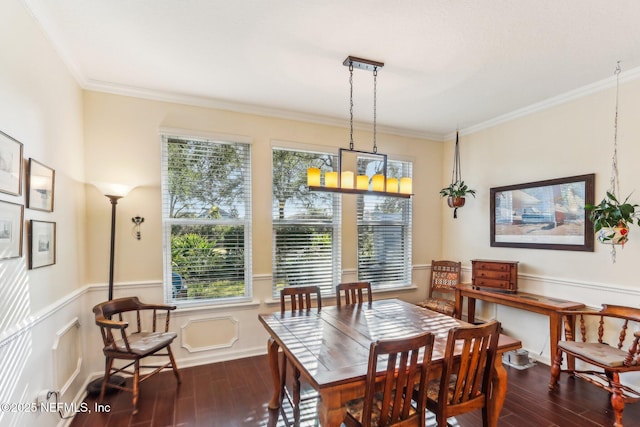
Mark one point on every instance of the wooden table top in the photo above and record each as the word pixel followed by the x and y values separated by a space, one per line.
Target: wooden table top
pixel 520 298
pixel 332 347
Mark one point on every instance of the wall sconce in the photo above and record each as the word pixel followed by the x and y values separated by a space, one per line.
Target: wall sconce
pixel 137 220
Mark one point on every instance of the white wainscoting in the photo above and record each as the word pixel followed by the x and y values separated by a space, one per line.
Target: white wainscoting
pixel 67 325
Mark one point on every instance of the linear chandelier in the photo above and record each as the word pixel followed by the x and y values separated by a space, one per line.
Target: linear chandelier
pixel 346 181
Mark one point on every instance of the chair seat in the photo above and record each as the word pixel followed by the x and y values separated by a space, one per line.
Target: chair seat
pixel 440 305
pixel 354 409
pixel 433 389
pixel 601 354
pixel 145 342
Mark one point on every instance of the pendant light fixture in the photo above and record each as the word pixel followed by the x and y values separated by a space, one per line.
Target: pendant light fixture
pixel 345 181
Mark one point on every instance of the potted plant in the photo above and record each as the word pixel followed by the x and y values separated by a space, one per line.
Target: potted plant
pixel 611 219
pixel 456 193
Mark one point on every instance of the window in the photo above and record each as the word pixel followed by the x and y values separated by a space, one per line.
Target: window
pixel 384 231
pixel 306 225
pixel 206 216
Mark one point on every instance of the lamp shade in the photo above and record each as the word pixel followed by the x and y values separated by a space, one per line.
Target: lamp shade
pixel 377 182
pixel 111 189
pixel 362 182
pixel 346 179
pixel 406 185
pixel 331 179
pixel 392 185
pixel 313 177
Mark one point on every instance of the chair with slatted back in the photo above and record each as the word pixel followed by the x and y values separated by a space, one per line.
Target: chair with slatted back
pixel 445 276
pixel 121 344
pixel 466 377
pixel 386 401
pixel 353 293
pixel 299 299
pixel 602 363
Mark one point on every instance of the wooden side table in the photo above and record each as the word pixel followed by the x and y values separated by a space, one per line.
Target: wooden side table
pixel 524 301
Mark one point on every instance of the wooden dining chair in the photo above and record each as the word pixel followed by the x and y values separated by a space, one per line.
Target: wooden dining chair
pixel 133 346
pixel 445 276
pixel 466 377
pixel 388 399
pixel 299 299
pixel 353 293
pixel 602 347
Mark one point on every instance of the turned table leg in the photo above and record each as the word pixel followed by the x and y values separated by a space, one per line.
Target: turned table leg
pixel 272 351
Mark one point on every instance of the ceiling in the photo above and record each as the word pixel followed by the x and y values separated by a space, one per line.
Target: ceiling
pixel 448 64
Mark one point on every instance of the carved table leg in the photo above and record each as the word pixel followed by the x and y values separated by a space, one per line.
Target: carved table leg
pixel 272 351
pixel 498 392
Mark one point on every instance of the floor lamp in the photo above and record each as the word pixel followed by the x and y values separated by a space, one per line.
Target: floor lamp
pixel 114 192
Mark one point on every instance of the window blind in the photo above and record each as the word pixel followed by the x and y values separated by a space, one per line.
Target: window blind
pixel 206 214
pixel 384 231
pixel 306 225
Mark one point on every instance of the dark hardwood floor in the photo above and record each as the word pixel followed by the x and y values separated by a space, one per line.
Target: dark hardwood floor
pixel 236 393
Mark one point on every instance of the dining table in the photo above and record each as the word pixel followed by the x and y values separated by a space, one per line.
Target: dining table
pixel 330 348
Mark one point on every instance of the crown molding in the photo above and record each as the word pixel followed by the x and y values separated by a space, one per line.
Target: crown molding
pixel 238 107
pixel 581 92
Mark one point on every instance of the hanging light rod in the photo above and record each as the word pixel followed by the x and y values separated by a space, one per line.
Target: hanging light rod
pixel 345 181
pixel 362 64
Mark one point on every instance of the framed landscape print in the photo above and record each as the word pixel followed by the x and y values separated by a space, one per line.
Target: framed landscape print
pixel 11 216
pixel 40 186
pixel 544 214
pixel 42 244
pixel 10 165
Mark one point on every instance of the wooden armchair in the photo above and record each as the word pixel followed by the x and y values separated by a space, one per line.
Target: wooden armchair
pixel 603 352
pixel 465 382
pixel 119 343
pixel 353 293
pixel 388 399
pixel 445 276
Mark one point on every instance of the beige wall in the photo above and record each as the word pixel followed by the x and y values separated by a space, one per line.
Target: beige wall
pixel 571 139
pixel 122 142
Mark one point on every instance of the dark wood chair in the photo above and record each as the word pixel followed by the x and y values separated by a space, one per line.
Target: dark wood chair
pixel 445 276
pixel 388 398
pixel 122 344
pixel 353 293
pixel 466 377
pixel 299 299
pixel 602 362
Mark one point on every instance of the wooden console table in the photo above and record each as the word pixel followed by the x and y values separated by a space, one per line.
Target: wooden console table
pixel 522 300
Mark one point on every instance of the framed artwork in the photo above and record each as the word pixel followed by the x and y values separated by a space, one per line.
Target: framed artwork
pixel 40 186
pixel 11 216
pixel 42 244
pixel 10 165
pixel 544 214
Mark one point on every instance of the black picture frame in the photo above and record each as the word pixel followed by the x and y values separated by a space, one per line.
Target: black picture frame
pixel 545 214
pixel 42 243
pixel 40 186
pixel 10 165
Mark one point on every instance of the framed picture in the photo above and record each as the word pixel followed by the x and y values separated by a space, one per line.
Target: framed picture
pixel 11 216
pixel 10 165
pixel 42 243
pixel 40 186
pixel 544 215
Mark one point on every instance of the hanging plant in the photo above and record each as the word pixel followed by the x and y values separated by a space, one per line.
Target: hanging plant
pixel 611 219
pixel 457 190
